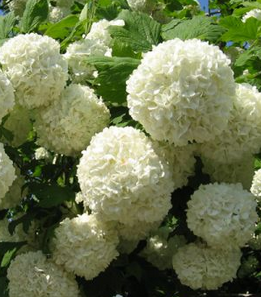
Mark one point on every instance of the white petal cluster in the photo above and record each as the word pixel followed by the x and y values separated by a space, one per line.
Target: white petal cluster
pixel 255 13
pixel 85 245
pixel 7 172
pixel 7 97
pixel 201 267
pixel 123 179
pixel 100 33
pixel 256 185
pixel 160 248
pixel 57 13
pixel 67 125
pixel 182 91
pixel 76 55
pixel 142 5
pixel 35 67
pixel 19 124
pixel 17 6
pixel 241 171
pixel 13 197
pixel 224 215
pixel 243 133
pixel 181 161
pixel 41 153
pixel 32 275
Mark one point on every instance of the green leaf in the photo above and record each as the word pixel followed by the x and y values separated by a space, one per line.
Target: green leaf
pixel 9 246
pixel 111 70
pixel 61 29
pixel 6 24
pixel 239 31
pixel 4 286
pixel 199 27
pixel 9 255
pixel 51 195
pixel 36 12
pixel 140 31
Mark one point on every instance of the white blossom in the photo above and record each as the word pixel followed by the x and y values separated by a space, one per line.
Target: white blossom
pixel 256 185
pixel 17 6
pixel 57 13
pixel 182 91
pixel 7 98
pixel 123 179
pixel 142 5
pixel 255 13
pixel 41 153
pixel 84 245
pixel 33 275
pixel 35 67
pixel 202 267
pixel 67 125
pixel 224 215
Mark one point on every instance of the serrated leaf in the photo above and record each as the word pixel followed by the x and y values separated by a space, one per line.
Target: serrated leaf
pixel 199 27
pixel 140 31
pixel 6 24
pixel 51 195
pixel 36 12
pixel 111 70
pixel 61 29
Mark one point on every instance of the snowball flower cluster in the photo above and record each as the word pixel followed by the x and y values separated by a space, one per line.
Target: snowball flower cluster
pixel 67 125
pixel 256 185
pixel 76 55
pixel 35 67
pixel 243 133
pixel 255 13
pixel 123 179
pixel 42 153
pixel 19 124
pixel 7 172
pixel 182 91
pixel 224 215
pixel 201 267
pixel 84 245
pixel 160 248
pixel 17 6
pixel 57 13
pixel 142 5
pixel 7 98
pixel 32 275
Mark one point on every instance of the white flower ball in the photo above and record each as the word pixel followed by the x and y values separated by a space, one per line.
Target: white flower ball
pixel 123 179
pixel 7 98
pixel 241 171
pixel 84 245
pixel 201 267
pixel 35 67
pixel 256 185
pixel 243 133
pixel 76 55
pixel 41 153
pixel 182 91
pixel 255 13
pixel 17 6
pixel 57 13
pixel 7 172
pixel 32 275
pixel 67 125
pixel 160 248
pixel 100 33
pixel 142 5
pixel 224 215
pixel 19 124
pixel 181 161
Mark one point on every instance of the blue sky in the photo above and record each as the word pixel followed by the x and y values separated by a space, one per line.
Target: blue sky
pixel 204 3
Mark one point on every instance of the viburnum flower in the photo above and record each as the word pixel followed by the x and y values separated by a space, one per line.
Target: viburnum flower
pixel 7 172
pixel 182 91
pixel 241 171
pixel 67 125
pixel 19 124
pixel 7 98
pixel 76 55
pixel 17 6
pixel 224 215
pixel 160 248
pixel 202 267
pixel 41 153
pixel 40 277
pixel 57 13
pixel 256 185
pixel 123 179
pixel 35 67
pixel 142 5
pixel 255 13
pixel 243 133
pixel 84 245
